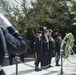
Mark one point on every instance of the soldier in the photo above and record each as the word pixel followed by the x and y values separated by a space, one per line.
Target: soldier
pixel 3 50
pixel 51 48
pixel 38 51
pixel 45 49
pixel 58 42
pixel 15 42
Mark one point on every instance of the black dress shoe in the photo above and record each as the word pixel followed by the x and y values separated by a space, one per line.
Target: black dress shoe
pixel 58 65
pixel 44 68
pixel 38 69
pixel 50 66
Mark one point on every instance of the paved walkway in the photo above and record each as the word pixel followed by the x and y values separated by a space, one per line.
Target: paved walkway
pixel 69 68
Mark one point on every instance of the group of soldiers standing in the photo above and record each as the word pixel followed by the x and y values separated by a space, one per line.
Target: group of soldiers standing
pixel 44 44
pixel 11 41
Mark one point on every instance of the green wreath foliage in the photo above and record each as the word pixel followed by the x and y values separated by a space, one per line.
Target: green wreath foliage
pixel 67 44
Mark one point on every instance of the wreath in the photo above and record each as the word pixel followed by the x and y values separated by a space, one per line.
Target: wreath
pixel 67 44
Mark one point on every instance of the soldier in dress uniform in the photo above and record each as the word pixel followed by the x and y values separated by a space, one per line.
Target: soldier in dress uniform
pixel 45 49
pixel 51 48
pixel 3 50
pixel 38 51
pixel 15 42
pixel 58 42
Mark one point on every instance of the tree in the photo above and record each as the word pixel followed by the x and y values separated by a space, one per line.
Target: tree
pixel 54 14
pixel 72 10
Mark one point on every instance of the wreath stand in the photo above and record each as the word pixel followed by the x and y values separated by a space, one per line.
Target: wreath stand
pixel 16 64
pixel 61 71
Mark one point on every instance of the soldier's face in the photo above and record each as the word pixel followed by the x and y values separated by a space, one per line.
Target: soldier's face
pixel 47 33
pixel 59 37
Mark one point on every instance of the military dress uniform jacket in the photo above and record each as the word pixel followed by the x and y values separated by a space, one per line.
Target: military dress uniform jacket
pixel 51 43
pixel 45 44
pixel 58 44
pixel 38 45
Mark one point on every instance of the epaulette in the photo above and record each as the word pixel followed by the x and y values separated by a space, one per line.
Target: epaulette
pixel 2 27
pixel 15 32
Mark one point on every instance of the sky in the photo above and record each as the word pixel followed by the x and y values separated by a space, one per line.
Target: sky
pixel 18 2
